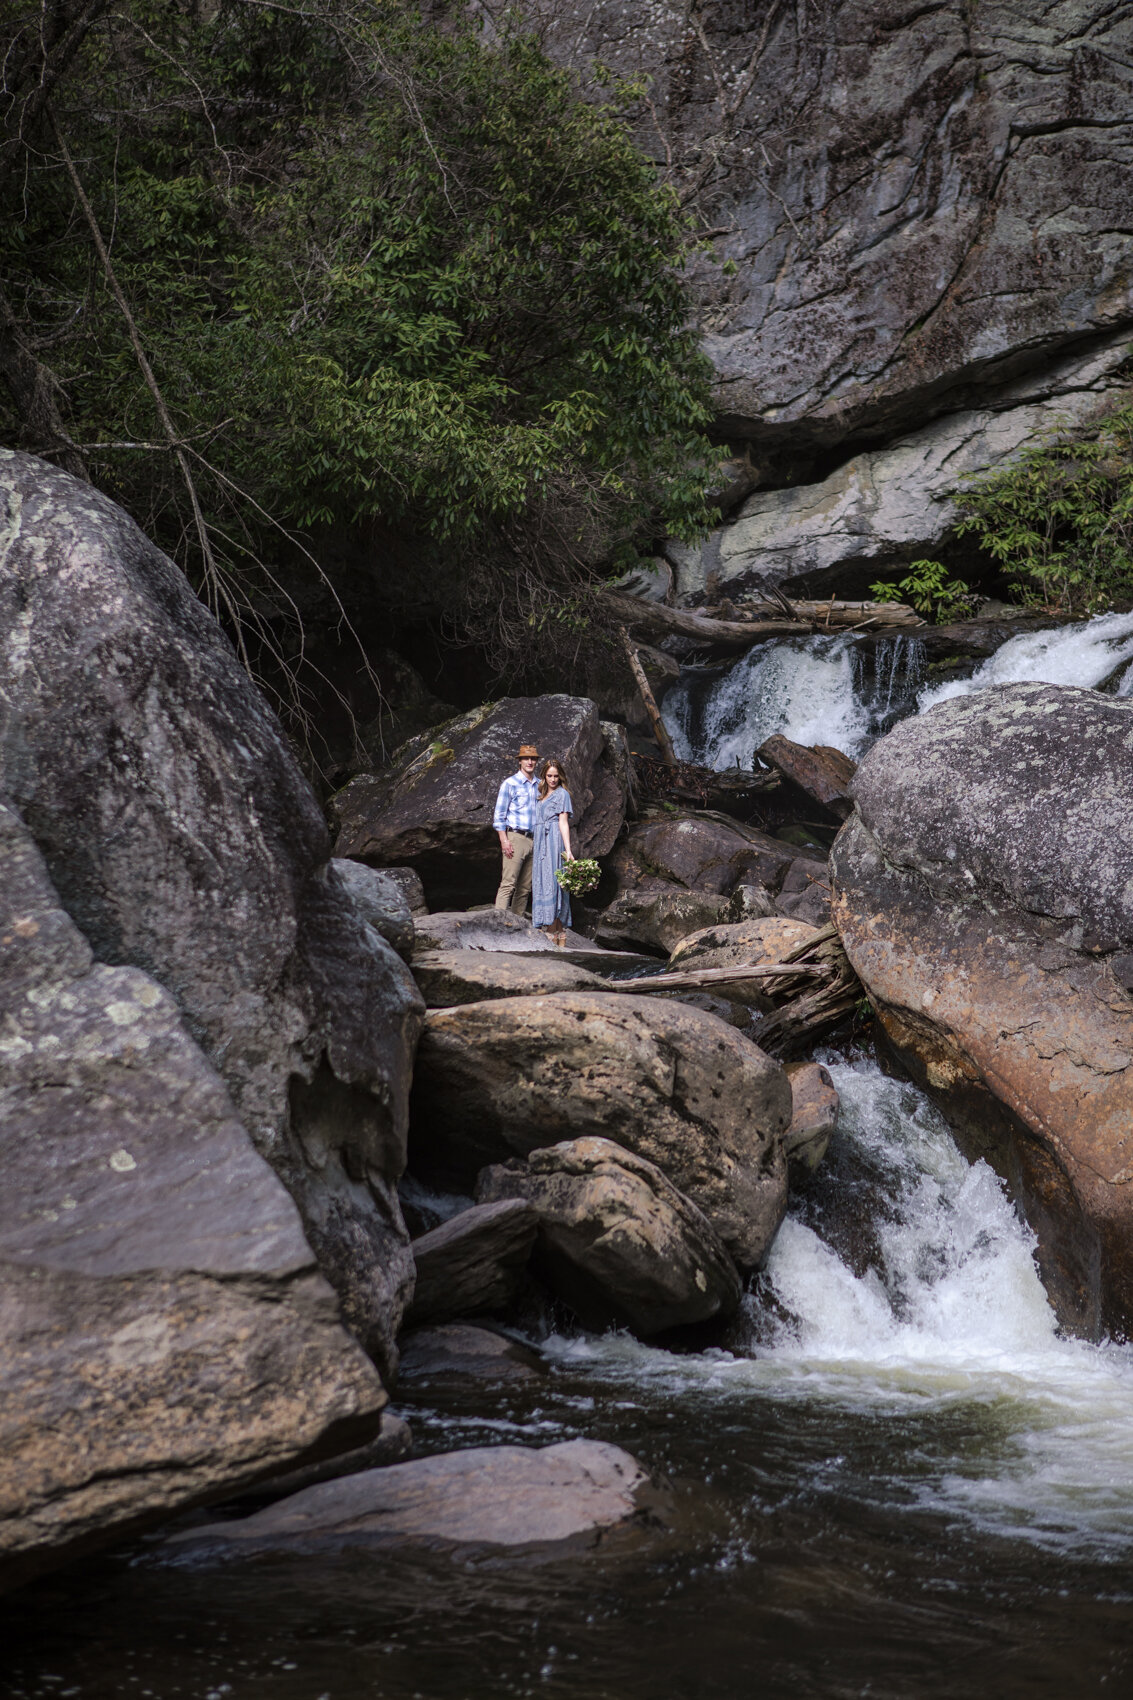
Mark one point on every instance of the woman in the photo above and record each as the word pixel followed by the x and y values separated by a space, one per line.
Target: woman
pixel 550 904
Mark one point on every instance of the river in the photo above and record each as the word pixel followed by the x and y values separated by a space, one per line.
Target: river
pixel 898 1480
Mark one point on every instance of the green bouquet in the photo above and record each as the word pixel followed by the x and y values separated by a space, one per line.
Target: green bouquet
pixel 580 876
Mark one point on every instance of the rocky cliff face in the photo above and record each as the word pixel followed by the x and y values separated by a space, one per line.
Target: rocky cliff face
pixel 184 841
pixel 924 205
pixel 918 199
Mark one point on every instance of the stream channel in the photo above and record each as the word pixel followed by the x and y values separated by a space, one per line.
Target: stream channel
pixel 900 1480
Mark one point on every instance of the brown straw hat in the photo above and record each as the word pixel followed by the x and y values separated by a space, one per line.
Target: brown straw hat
pixel 526 750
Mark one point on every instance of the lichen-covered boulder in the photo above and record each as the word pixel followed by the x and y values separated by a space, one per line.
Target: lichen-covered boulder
pixel 433 810
pixel 984 893
pixel 672 1084
pixel 183 840
pixel 617 1240
pixel 165 1335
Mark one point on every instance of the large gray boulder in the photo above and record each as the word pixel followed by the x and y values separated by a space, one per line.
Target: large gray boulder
pixel 165 1335
pixel 433 809
pixel 917 201
pixel 699 852
pixel 184 841
pixel 674 1085
pixel 487 1496
pixel 617 1240
pixel 984 893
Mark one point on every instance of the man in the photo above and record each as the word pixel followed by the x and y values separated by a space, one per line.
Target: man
pixel 514 821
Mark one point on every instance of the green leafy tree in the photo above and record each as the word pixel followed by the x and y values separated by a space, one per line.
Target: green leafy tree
pixel 396 285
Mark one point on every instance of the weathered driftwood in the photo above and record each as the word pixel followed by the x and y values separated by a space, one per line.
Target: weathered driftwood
pixel 694 977
pixel 804 616
pixel 799 1019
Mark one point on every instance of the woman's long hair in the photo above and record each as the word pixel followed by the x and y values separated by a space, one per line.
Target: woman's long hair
pixel 544 788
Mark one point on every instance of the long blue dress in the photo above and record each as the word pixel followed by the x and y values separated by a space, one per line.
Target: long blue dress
pixel 549 902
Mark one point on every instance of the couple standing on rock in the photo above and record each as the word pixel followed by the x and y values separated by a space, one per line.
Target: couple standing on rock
pixel 532 818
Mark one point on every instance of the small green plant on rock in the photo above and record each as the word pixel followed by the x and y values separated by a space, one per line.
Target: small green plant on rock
pixel 928 589
pixel 1059 519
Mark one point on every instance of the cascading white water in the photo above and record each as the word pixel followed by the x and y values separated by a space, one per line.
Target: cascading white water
pixel 1085 655
pixel 813 690
pixel 950 1311
pixel 817 691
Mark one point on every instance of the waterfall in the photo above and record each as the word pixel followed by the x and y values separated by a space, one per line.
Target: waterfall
pixel 815 690
pixel 837 690
pixel 902 1286
pixel 1086 654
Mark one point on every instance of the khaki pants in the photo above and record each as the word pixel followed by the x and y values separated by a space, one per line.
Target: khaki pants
pixel 515 886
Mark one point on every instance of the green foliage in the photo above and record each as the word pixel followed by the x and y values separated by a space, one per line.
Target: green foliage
pixel 1059 520
pixel 930 591
pixel 580 876
pixel 395 283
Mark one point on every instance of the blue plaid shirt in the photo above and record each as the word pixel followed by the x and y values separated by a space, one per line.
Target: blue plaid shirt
pixel 515 805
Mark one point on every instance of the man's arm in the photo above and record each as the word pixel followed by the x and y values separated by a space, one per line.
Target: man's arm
pixel 499 818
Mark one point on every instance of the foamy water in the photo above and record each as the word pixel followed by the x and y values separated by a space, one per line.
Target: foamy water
pixel 818 690
pixel 950 1315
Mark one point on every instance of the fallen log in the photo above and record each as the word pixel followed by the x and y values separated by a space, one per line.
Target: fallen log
pixel 694 977
pixel 655 617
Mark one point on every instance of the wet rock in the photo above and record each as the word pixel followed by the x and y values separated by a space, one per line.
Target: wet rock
pixel 673 1085
pixel 617 1240
pixel 658 919
pixel 432 810
pixel 184 841
pixel 823 773
pixel 457 1352
pixel 979 890
pixel 736 944
pixel 472 1262
pixel 449 977
pixel 814 1118
pixel 165 1335
pixel 381 901
pixel 493 1496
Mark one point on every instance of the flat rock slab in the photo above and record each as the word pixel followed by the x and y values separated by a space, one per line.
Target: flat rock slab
pixel 617 1240
pixel 472 1262
pixel 448 977
pixel 495 1496
pixel 500 1079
